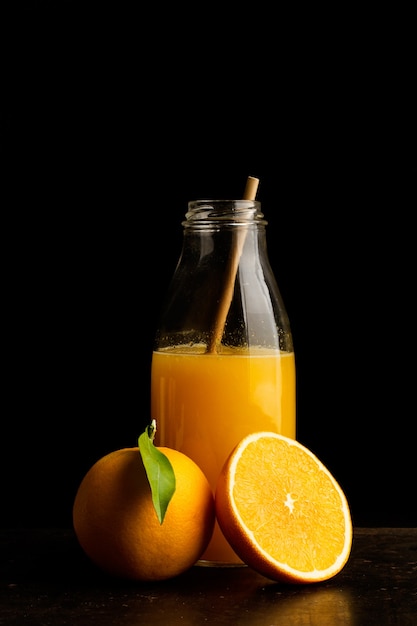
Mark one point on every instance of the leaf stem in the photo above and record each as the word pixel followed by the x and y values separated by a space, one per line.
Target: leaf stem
pixel 151 430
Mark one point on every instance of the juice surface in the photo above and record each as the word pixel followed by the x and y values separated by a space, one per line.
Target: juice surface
pixel 204 404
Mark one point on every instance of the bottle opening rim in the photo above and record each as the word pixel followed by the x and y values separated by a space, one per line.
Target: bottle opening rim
pixel 230 211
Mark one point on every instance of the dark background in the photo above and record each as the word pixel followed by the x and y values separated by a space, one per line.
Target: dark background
pixel 113 118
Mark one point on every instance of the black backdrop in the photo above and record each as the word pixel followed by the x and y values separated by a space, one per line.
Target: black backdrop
pixel 113 120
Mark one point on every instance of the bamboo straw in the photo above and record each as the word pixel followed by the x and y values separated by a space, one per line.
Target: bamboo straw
pixel 251 189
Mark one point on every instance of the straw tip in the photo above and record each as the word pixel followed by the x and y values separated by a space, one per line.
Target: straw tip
pixel 251 188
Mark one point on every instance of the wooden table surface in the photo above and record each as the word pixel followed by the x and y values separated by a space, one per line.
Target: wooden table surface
pixel 46 580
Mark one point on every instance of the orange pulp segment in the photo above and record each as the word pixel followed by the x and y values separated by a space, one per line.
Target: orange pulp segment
pixel 282 511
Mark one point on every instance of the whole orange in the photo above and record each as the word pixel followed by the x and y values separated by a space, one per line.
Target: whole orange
pixel 116 524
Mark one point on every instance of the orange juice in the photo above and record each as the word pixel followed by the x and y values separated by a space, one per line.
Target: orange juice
pixel 204 404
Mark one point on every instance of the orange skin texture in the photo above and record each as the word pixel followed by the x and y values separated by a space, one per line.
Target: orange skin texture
pixel 116 524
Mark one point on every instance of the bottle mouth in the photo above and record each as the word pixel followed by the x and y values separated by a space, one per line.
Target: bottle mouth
pixel 231 212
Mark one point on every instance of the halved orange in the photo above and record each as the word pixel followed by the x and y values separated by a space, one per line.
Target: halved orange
pixel 282 511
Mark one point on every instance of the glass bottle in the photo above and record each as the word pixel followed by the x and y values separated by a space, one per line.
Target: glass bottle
pixel 223 363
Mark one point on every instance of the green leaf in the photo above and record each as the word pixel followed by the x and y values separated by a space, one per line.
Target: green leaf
pixel 159 471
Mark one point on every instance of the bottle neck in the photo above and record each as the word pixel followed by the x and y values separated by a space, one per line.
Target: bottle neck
pixel 214 214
